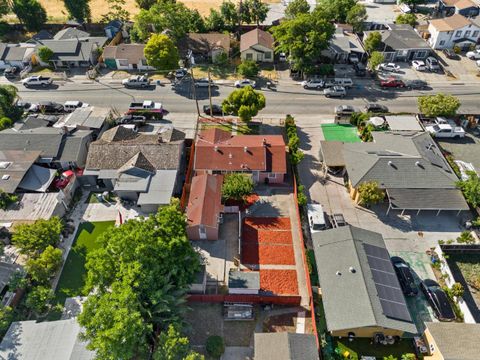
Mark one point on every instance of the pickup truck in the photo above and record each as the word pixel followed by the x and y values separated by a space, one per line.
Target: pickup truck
pixel 136 81
pixel 147 108
pixel 446 131
pixel 42 81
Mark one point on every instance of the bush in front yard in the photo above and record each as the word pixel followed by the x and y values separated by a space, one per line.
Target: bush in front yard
pixel 248 68
pixel 215 346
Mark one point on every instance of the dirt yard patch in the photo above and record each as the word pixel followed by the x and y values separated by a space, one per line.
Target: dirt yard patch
pixel 264 223
pixel 267 254
pixel 279 282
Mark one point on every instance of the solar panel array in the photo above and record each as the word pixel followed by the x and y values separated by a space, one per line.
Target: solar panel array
pixel 386 282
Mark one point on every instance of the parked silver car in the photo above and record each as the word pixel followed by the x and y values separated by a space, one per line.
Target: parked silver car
pixel 336 91
pixel 313 84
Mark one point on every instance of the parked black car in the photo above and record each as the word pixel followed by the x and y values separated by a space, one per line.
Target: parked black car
pixel 416 84
pixel 438 300
pixel 11 72
pixel 360 69
pixel 132 119
pixel 216 110
pixel 405 276
pixel 50 107
pixel 450 54
pixel 376 108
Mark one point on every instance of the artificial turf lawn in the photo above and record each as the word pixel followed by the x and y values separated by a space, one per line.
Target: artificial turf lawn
pixel 72 280
pixel 362 346
pixel 337 132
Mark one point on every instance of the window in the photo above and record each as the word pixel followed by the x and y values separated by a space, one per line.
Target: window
pixel 442 43
pixel 123 62
pixel 272 175
pixel 475 33
pixel 458 33
pixel 268 55
pixel 249 56
pixel 420 54
pixel 259 57
pixel 467 33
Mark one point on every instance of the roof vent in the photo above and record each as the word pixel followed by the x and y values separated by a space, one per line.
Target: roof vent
pixel 215 148
pixel 338 273
pixel 5 164
pixel 352 270
pixel 264 141
pixel 390 163
pixel 5 177
pixel 230 155
pixel 245 149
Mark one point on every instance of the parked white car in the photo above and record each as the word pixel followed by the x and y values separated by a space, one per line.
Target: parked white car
pixel 245 82
pixel 42 81
pixel 313 84
pixel 419 65
pixel 316 218
pixel 391 67
pixel 446 131
pixel 473 55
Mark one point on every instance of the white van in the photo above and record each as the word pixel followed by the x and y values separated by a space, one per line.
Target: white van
pixel 316 218
pixel 70 106
pixel 344 82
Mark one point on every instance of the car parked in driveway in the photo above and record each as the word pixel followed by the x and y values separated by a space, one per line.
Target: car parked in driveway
pixel 336 91
pixel 216 110
pixel 392 83
pixel 432 64
pixel 11 72
pixel 473 55
pixel 390 67
pixel 313 84
pixel 344 109
pixel 245 82
pixel 416 84
pixel 450 54
pixel 376 108
pixel 316 218
pixel 438 300
pixel 419 65
pixel 405 276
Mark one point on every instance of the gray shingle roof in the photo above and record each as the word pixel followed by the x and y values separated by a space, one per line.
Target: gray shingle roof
pixel 70 33
pixel 15 165
pixel 350 299
pixel 160 189
pixel 15 53
pixel 456 341
pixel 401 37
pixel 74 49
pixel 91 117
pixel 285 346
pixel 432 199
pixel 74 147
pixel 45 140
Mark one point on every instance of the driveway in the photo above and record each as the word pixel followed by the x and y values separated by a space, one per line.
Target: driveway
pixel 466 149
pixel 463 69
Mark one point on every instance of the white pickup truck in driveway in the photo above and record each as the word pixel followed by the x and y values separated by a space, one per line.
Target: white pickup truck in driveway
pixel 446 131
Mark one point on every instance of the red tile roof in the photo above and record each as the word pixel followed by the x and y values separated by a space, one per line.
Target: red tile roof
pixel 217 149
pixel 204 203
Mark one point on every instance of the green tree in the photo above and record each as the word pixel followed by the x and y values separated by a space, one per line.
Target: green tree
pixel 301 197
pixel 6 317
pixel 369 193
pixel 145 4
pixel 78 9
pixel 357 16
pixel 32 239
pixel 42 268
pixel 245 102
pixel 30 13
pixel 161 52
pixel 8 98
pixel 116 11
pixel 335 9
pixel 45 53
pixel 237 186
pixel 215 21
pixel 471 189
pixel 373 42
pixel 230 14
pixel 390 357
pixel 409 356
pixel 7 199
pixel 409 19
pixel 39 298
pixel 303 38
pixel 376 58
pixel 215 346
pixel 438 105
pixel 140 273
pixel 248 68
pixel 172 345
pixel 221 59
pixel 254 12
pixel 466 237
pixel 296 7
pixel 4 7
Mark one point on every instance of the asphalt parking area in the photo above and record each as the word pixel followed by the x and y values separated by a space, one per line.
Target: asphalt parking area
pixel 466 149
pixel 462 68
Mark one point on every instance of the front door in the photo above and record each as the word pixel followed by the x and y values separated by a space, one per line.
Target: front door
pixel 202 232
pixel 256 176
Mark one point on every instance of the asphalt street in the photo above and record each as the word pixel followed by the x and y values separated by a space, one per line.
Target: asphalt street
pixel 289 98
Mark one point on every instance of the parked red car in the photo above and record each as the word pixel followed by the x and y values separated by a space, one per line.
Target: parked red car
pixel 62 181
pixel 392 82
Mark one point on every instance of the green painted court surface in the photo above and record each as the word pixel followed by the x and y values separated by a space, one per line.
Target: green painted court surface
pixel 336 132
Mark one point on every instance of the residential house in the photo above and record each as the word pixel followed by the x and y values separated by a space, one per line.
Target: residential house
pixel 126 57
pixel 257 45
pixel 452 31
pixel 400 42
pixel 73 48
pixel 143 167
pixel 54 340
pixel 204 207
pixel 410 168
pixel 93 118
pixel 204 47
pixel 42 35
pixel 285 346
pixel 467 8
pixel 219 152
pixel 342 45
pixel 361 294
pixel 452 341
pixel 19 55
pixel 113 28
pixel 7 271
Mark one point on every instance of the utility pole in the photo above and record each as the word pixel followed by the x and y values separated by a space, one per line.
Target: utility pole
pixel 194 91
pixel 210 92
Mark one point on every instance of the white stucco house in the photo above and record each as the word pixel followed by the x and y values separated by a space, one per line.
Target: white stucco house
pixel 455 30
pixel 126 57
pixel 257 45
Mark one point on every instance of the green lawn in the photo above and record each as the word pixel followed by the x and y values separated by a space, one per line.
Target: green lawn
pixel 337 132
pixel 359 347
pixel 72 279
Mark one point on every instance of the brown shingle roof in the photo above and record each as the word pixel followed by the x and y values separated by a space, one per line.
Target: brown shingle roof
pixel 217 149
pixel 204 203
pixel 131 52
pixel 207 42
pixel 460 4
pixel 256 37
pixel 450 23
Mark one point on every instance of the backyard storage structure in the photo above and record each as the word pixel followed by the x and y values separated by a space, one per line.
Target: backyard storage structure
pixel 285 346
